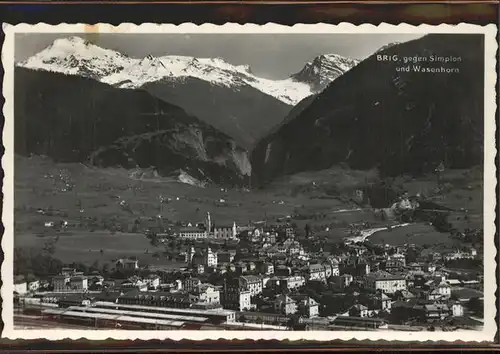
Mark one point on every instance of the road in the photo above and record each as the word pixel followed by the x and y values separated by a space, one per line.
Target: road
pixel 368 232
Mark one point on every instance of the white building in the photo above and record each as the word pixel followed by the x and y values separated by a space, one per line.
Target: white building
pixel 471 254
pixel 235 297
pixel 292 282
pixel 251 283
pixel 385 282
pixel 267 268
pixel 127 264
pixel 316 272
pixel 79 283
pixel 61 283
pixel 331 269
pixel 398 257
pixel 210 258
pixel 457 310
pixel 244 300
pixel 153 281
pixel 209 230
pixel 207 258
pixel 21 287
pixel 307 306
pixel 441 290
pixel 284 304
pixel 192 233
pixel 206 293
pixel 191 284
pixel 224 231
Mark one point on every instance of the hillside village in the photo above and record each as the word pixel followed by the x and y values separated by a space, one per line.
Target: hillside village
pixel 265 274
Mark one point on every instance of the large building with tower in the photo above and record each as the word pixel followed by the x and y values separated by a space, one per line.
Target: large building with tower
pixel 209 230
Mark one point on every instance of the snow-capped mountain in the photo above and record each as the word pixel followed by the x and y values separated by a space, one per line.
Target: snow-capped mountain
pixel 75 56
pixel 323 70
pixel 401 123
pixel 228 97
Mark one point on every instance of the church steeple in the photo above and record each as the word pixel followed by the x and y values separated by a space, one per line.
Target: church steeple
pixel 234 229
pixel 208 223
pixel 190 255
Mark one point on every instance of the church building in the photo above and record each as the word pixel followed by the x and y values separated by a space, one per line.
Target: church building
pixel 209 230
pixel 220 231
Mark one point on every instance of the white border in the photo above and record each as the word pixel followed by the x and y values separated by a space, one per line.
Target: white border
pixel 490 328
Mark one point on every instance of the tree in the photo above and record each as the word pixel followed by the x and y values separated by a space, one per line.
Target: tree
pixel 30 260
pixel 476 305
pixel 105 268
pixel 411 255
pixel 94 266
pixel 307 229
pixel 438 171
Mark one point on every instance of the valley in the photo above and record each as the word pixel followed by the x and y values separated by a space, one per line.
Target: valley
pixel 121 145
pixel 348 192
pixel 111 208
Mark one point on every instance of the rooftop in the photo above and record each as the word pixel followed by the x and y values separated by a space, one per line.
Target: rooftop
pixel 138 313
pixel 251 278
pixel 166 309
pixel 191 229
pixel 381 275
pixel 117 318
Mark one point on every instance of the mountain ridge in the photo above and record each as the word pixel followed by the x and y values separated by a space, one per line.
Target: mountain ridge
pixel 377 117
pixel 76 119
pixel 227 97
pixel 323 70
pixel 74 56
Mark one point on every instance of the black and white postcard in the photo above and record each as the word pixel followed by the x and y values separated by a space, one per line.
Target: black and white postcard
pixel 257 182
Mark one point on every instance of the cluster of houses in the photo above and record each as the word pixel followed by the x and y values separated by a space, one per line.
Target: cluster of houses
pixel 277 275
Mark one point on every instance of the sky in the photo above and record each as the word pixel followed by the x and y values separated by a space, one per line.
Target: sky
pixel 274 56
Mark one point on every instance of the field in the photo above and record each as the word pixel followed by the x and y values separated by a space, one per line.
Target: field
pixel 84 247
pixel 417 234
pixel 93 201
pixel 99 193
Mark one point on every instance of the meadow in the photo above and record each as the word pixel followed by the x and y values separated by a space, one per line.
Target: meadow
pixel 111 208
pixel 418 234
pixel 85 247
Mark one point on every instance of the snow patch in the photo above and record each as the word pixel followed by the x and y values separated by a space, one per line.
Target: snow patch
pixel 75 56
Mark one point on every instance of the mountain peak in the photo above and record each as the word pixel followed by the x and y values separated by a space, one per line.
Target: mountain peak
pixel 70 39
pixel 245 68
pixel 74 55
pixel 69 45
pixel 324 69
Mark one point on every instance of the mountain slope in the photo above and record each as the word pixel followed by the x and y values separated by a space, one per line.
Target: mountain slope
pixel 375 116
pixel 75 119
pixel 75 56
pixel 323 70
pixel 245 115
pixel 228 97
